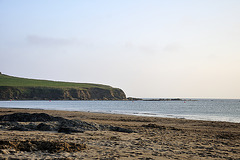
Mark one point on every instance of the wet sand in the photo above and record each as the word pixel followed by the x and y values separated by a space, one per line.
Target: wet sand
pixel 154 138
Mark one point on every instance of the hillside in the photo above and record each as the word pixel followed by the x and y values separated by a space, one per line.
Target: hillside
pixel 32 89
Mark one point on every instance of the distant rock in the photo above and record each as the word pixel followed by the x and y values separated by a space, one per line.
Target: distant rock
pixel 164 99
pixel 134 99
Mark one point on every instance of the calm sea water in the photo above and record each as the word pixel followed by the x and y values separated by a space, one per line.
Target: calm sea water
pixel 202 109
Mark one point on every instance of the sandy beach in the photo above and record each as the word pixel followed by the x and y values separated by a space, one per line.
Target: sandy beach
pixel 150 138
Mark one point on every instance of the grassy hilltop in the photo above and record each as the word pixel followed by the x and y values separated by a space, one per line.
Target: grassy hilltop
pixel 6 80
pixel 24 88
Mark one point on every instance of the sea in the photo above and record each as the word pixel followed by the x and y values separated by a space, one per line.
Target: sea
pixel 227 110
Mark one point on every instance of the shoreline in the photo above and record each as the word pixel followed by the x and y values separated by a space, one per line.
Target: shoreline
pixel 154 138
pixel 182 110
pixel 135 114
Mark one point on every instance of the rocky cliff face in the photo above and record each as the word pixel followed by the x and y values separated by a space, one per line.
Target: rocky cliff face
pixel 48 93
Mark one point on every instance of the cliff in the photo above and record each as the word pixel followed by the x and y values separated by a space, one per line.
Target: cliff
pixel 30 89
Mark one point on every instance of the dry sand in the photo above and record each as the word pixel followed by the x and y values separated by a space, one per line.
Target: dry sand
pixel 155 138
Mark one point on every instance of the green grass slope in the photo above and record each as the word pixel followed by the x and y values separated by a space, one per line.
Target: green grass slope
pixel 11 81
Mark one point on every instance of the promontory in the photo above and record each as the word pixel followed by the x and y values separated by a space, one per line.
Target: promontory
pixel 16 88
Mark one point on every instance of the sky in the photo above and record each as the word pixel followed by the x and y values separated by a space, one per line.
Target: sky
pixel 148 48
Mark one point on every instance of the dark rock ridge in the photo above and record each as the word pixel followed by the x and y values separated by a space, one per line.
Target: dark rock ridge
pixel 162 99
pixel 49 146
pixel 134 99
pixel 45 122
pixel 51 93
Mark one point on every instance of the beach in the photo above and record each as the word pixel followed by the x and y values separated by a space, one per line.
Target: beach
pixel 132 137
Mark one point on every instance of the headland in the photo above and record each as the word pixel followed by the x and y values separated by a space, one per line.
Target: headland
pixel 16 88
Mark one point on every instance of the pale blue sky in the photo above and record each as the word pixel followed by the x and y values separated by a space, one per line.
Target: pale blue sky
pixel 149 48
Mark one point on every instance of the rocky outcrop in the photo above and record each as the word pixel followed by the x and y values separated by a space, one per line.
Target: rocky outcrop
pixel 51 93
pixel 45 122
